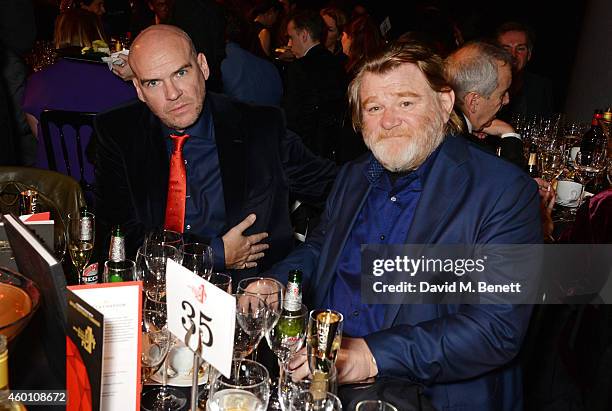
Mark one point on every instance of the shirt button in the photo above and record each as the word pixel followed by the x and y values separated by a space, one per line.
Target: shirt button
pixel 394 199
pixel 185 162
pixel 382 236
pixel 188 227
pixel 356 313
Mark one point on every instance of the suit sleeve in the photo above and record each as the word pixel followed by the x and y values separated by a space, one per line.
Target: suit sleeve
pixel 477 338
pixel 112 193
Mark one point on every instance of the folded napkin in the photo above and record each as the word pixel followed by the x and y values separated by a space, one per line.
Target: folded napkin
pixel 114 58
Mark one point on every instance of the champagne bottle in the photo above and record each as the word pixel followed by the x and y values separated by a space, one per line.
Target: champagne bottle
pixel 532 163
pixel 592 139
pixel 291 328
pixel 116 254
pixel 5 403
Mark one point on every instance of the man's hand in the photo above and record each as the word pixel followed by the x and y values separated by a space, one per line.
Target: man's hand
pixel 123 70
pixel 243 251
pixel 355 361
pixel 497 128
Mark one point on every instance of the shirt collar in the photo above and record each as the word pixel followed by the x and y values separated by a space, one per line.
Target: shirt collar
pixel 376 170
pixel 468 123
pixel 199 129
pixel 310 48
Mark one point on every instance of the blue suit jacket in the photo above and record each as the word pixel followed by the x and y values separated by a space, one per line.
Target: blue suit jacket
pixel 461 353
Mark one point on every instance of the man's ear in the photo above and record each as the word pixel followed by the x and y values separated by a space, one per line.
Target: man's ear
pixel 304 35
pixel 471 101
pixel 447 101
pixel 138 88
pixel 201 59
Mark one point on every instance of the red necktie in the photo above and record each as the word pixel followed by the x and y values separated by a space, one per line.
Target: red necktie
pixel 177 187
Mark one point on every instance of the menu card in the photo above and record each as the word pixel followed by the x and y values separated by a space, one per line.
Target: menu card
pixel 84 347
pixel 121 307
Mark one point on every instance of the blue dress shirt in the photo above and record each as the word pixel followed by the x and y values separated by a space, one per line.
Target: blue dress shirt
pixel 204 202
pixel 385 218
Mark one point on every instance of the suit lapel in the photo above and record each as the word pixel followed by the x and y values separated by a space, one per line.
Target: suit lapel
pixel 231 149
pixel 440 192
pixel 350 204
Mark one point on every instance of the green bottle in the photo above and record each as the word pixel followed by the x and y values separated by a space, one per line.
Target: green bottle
pixel 292 328
pixel 116 254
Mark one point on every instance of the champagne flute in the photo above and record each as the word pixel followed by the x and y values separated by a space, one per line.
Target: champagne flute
pixel 246 389
pixel 198 258
pixel 81 234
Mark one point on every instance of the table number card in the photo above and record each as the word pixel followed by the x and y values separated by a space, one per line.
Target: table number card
pixel 201 315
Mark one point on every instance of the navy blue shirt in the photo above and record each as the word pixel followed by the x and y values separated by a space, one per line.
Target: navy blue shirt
pixel 204 202
pixel 385 218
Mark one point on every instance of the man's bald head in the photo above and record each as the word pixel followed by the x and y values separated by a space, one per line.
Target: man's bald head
pixel 168 75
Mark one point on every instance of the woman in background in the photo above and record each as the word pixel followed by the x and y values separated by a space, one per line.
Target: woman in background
pixel 361 39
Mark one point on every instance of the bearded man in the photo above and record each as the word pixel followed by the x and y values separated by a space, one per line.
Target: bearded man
pixel 421 184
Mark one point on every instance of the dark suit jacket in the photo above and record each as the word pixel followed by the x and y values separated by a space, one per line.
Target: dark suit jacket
pixel 510 148
pixel 260 163
pixel 314 99
pixel 461 353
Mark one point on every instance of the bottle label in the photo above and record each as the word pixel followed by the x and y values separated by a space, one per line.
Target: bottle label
pixel 4 370
pixel 86 229
pixel 117 249
pixel 293 297
pixel 532 159
pixel 90 274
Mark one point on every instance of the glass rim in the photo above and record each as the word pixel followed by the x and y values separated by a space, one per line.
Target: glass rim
pixel 86 213
pixel 205 247
pixel 325 310
pixel 260 366
pixel 377 402
pixel 282 287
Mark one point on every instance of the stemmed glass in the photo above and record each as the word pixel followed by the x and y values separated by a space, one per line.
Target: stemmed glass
pixel 374 405
pixel 155 342
pixel 587 166
pixel 198 258
pixel 162 398
pixel 551 163
pixel 308 401
pixel 246 389
pixel 285 339
pixel 251 316
pixel 81 234
pixel 156 257
pixel 161 236
pixel 270 291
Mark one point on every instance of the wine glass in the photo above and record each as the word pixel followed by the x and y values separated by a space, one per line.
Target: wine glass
pixel 155 343
pixel 161 236
pixel 222 281
pixel 551 163
pixel 198 258
pixel 251 316
pixel 246 389
pixel 375 405
pixel 587 166
pixel 163 398
pixel 156 258
pixel 307 400
pixel 324 338
pixel 270 291
pixel 81 234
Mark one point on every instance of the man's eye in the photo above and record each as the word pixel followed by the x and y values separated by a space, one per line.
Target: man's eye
pixel 521 49
pixel 406 103
pixel 373 109
pixel 151 83
pixel 181 73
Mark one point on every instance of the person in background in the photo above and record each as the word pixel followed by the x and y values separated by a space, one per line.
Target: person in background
pixel 314 87
pixel 78 28
pixel 264 15
pixel 403 104
pixel 247 77
pixel 334 19
pixel 233 164
pixel 530 93
pixel 146 13
pixel 481 74
pixel 17 35
pixel 361 39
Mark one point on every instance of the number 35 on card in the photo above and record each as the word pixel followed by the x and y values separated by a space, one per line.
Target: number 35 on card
pixel 201 315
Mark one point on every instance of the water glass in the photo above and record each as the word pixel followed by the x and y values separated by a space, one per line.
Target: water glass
pixel 198 258
pixel 375 405
pixel 247 388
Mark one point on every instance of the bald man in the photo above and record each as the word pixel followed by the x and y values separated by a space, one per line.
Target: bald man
pixel 240 161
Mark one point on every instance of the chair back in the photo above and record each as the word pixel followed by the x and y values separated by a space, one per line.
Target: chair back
pixel 68 145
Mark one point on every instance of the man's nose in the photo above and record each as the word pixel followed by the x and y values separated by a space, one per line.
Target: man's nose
pixel 390 119
pixel 172 92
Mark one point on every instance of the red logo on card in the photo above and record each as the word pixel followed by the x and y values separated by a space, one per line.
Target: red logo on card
pixel 199 293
